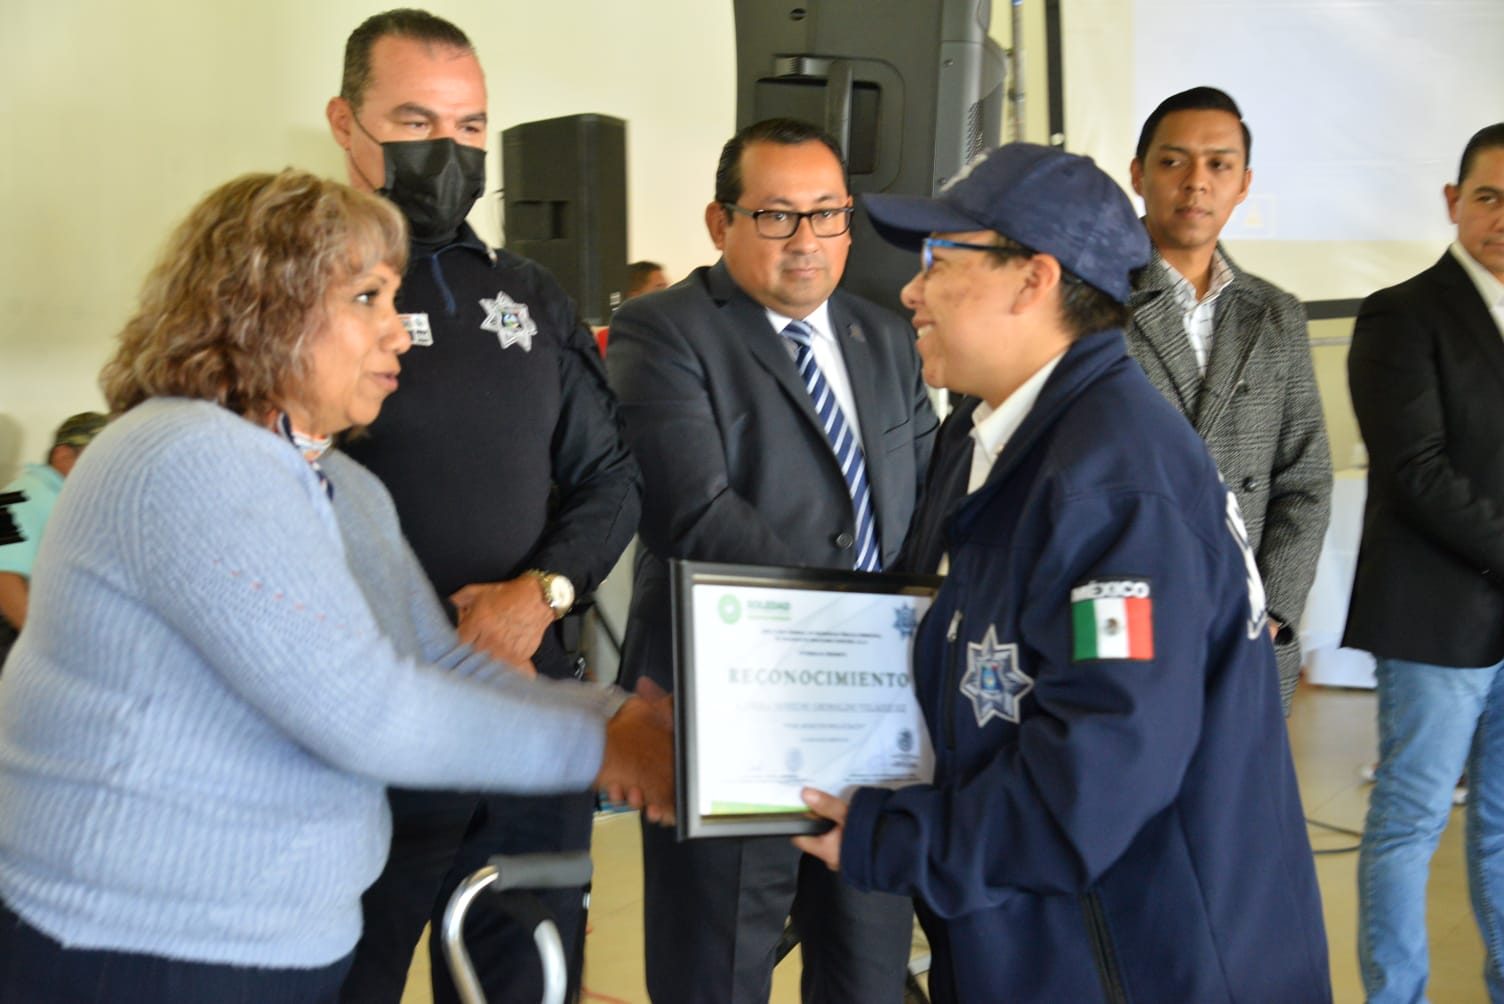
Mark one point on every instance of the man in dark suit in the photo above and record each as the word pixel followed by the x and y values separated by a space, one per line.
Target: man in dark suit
pixel 1230 350
pixel 778 422
pixel 1427 375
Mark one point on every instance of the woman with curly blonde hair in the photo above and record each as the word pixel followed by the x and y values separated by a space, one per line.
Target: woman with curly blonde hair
pixel 231 649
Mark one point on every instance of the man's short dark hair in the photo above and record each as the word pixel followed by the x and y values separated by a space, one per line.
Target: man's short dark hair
pixel 1197 99
pixel 1084 309
pixel 1487 138
pixel 785 132
pixel 638 274
pixel 405 22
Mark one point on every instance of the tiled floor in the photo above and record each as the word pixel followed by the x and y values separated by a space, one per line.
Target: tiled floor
pixel 1331 732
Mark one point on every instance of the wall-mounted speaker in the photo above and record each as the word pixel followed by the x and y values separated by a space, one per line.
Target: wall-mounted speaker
pixel 911 89
pixel 564 192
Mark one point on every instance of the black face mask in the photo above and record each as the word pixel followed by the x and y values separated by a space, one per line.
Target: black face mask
pixel 434 182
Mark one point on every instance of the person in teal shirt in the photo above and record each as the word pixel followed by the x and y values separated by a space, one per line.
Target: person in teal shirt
pixel 22 520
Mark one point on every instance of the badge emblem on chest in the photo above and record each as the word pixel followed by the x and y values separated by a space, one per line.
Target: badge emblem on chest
pixel 993 681
pixel 512 321
pixel 418 328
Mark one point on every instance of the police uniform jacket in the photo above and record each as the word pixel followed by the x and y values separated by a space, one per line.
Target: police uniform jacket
pixel 1114 815
pixel 501 447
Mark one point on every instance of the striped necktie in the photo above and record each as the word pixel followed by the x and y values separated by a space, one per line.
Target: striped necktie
pixel 847 450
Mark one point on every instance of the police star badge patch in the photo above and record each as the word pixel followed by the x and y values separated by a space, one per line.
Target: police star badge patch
pixel 993 681
pixel 512 321
pixel 1112 619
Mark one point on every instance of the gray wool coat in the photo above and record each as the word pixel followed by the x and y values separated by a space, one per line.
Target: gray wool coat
pixel 1260 414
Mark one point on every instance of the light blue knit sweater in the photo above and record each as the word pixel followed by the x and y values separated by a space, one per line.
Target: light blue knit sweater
pixel 198 721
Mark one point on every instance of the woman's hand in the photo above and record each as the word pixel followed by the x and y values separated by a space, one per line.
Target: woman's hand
pixel 638 766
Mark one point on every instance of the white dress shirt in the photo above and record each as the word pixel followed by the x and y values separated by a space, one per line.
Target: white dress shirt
pixel 1199 316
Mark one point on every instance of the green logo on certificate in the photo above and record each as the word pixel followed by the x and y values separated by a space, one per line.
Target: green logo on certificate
pixel 731 609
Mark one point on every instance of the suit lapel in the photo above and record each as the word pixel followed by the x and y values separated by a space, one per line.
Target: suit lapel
pixel 861 371
pixel 1157 321
pixel 1460 297
pixel 1236 331
pixel 746 319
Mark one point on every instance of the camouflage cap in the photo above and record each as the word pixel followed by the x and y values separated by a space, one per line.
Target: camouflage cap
pixel 79 430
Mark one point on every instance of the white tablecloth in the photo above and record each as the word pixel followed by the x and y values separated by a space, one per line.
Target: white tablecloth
pixel 1326 662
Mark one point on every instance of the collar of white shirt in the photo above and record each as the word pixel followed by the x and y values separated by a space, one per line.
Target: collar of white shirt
pixel 818 321
pixel 1489 285
pixel 1185 292
pixel 993 427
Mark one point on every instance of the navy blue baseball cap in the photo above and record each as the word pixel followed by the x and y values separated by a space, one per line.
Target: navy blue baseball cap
pixel 1050 201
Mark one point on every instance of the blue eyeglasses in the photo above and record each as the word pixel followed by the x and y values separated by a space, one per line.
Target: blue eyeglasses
pixel 927 250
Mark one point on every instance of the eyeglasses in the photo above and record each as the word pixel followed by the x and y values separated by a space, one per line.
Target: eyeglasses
pixel 927 250
pixel 781 224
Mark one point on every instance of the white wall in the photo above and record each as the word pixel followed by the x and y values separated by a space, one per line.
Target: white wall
pixel 119 116
pixel 1359 111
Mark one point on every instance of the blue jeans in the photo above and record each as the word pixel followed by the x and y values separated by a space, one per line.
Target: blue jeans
pixel 1433 722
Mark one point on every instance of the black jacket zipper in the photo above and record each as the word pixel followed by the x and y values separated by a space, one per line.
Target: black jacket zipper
pixel 1106 958
pixel 952 685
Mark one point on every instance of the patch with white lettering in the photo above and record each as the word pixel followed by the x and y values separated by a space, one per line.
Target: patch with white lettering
pixel 1112 619
pixel 417 328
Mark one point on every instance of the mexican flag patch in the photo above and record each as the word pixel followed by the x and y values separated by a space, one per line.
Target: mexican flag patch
pixel 1112 619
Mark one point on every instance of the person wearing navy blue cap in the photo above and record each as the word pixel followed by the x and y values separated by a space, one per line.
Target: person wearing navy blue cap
pixel 1114 813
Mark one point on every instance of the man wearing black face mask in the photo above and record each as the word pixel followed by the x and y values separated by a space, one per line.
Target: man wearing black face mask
pixel 502 454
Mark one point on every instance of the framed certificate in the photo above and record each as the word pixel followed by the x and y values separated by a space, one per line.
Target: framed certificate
pixel 787 677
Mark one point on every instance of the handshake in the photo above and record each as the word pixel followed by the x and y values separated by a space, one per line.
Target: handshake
pixel 638 765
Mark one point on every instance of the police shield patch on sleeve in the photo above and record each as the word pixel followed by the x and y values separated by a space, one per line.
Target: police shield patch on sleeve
pixel 1112 619
pixel 993 682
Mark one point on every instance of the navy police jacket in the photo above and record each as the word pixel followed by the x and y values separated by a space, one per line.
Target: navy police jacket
pixel 1114 815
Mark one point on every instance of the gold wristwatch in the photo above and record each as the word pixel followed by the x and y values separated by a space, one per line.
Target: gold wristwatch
pixel 558 592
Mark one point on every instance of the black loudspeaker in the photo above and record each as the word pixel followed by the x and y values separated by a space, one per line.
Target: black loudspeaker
pixel 911 89
pixel 564 193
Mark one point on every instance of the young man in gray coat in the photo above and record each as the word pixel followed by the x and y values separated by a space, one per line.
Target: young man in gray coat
pixel 1231 351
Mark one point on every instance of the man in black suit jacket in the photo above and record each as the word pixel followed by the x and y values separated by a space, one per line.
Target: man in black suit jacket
pixel 738 466
pixel 1427 375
